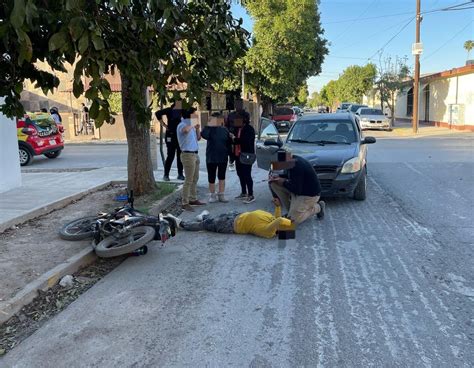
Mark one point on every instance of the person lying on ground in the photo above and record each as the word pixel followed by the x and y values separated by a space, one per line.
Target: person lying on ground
pixel 298 189
pixel 259 223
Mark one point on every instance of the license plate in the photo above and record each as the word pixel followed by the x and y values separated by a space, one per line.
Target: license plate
pixel 52 141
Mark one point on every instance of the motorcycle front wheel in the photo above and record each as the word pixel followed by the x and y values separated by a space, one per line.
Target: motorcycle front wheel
pixel 113 246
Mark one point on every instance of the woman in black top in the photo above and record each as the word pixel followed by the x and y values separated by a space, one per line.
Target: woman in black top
pixel 217 154
pixel 245 143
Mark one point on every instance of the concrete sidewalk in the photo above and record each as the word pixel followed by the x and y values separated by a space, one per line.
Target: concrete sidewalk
pixel 43 192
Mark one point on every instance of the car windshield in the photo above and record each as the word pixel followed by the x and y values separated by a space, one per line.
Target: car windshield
pixel 354 108
pixel 344 106
pixel 371 112
pixel 323 132
pixel 283 111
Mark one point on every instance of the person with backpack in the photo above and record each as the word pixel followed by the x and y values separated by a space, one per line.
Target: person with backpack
pixel 217 153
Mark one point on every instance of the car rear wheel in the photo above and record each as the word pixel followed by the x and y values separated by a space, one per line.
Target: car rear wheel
pixel 360 192
pixel 25 156
pixel 53 154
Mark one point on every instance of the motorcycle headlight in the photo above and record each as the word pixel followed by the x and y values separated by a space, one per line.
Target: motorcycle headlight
pixel 351 166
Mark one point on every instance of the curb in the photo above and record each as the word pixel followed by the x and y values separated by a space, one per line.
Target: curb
pixel 50 278
pixel 43 210
pixel 9 308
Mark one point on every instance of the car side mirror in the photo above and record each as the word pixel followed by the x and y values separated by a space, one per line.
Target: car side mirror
pixel 272 142
pixel 386 114
pixel 357 114
pixel 368 140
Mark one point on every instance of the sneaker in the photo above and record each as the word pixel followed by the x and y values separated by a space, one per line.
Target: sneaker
pixel 212 198
pixel 222 198
pixel 180 177
pixel 166 178
pixel 249 199
pixel 241 196
pixel 197 202
pixel 202 215
pixel 232 167
pixel 322 204
pixel 176 219
pixel 187 207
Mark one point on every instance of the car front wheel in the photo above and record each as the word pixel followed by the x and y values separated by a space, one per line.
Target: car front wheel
pixel 25 156
pixel 360 192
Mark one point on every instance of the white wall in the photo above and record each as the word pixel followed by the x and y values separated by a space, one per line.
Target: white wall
pixel 10 174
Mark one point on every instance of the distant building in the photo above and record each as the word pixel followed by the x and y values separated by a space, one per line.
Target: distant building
pixel 446 99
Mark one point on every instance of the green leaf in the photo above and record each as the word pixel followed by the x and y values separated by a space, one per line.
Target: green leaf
pixel 76 28
pixel 94 110
pixel 17 16
pixel 98 42
pixel 77 88
pixel 57 41
pixel 26 50
pixel 31 12
pixel 83 43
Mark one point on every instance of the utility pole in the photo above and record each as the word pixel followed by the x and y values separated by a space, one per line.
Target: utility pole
pixel 416 51
pixel 243 83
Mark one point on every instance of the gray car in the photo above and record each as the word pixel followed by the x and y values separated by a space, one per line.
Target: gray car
pixel 372 119
pixel 332 143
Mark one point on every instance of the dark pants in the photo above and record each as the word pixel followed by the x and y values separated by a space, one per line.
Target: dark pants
pixel 245 175
pixel 213 169
pixel 173 147
pixel 221 224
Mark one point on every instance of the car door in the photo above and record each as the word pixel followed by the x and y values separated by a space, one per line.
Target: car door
pixel 267 153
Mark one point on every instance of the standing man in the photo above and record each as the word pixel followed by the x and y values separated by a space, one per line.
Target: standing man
pixel 188 136
pixel 236 119
pixel 85 118
pixel 299 190
pixel 173 118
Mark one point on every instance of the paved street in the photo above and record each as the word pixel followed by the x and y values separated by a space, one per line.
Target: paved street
pixel 387 282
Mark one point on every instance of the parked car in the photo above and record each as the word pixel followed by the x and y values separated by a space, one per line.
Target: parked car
pixel 298 110
pixel 372 119
pixel 354 107
pixel 344 106
pixel 38 134
pixel 284 117
pixel 334 145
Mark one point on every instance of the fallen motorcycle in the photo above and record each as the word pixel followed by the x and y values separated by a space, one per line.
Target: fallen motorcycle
pixel 122 231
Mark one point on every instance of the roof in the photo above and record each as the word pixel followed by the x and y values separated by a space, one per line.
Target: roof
pixel 455 72
pixel 326 117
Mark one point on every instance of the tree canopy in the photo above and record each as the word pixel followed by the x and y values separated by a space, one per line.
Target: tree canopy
pixel 287 46
pixel 351 86
pixel 153 43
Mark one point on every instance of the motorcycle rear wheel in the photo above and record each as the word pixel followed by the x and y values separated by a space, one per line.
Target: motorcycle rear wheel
pixel 113 247
pixel 78 229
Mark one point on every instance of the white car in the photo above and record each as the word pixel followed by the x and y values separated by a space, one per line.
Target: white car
pixel 372 119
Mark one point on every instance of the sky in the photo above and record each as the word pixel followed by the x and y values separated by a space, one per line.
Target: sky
pixel 354 39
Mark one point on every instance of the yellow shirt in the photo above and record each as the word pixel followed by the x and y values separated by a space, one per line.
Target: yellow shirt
pixel 262 223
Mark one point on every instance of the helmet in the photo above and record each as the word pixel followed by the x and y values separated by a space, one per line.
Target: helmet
pixel 53 110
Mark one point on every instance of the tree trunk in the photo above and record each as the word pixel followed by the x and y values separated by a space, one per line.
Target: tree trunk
pixel 392 109
pixel 139 164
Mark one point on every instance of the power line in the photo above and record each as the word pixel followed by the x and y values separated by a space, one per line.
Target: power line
pixel 360 15
pixel 364 41
pixel 449 8
pixel 448 41
pixel 380 50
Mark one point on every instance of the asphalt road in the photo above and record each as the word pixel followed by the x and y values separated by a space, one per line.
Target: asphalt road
pixel 387 282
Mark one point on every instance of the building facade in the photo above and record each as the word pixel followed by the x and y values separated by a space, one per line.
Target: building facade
pixel 446 99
